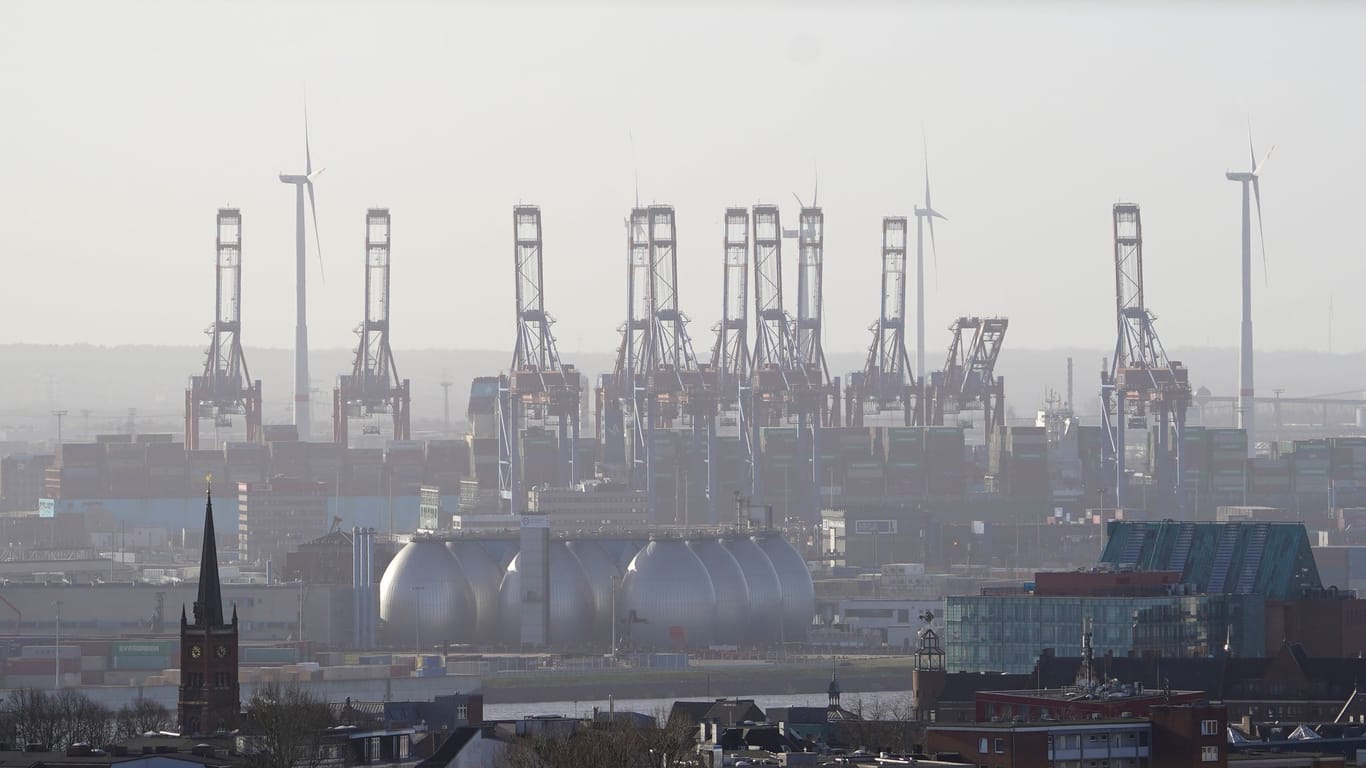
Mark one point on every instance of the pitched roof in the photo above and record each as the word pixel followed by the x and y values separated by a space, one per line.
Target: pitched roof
pixel 691 712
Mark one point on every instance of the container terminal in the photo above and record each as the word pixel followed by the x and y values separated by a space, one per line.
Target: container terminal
pixel 741 504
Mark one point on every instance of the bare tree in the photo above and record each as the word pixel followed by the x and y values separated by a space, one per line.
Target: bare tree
pixel 285 726
pixel 57 721
pixel 141 716
pixel 618 744
pixel 35 718
pixel 86 721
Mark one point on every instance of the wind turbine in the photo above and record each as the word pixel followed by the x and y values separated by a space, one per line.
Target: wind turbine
pixel 921 215
pixel 303 412
pixel 1246 407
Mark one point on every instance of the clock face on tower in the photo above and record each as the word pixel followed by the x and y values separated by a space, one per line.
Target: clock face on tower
pixel 222 651
pixel 196 651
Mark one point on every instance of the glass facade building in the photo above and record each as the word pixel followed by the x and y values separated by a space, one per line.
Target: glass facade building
pixel 1006 633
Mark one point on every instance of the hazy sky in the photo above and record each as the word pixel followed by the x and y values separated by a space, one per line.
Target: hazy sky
pixel 126 125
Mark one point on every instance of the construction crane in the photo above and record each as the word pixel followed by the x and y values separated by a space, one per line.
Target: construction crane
pixel 968 380
pixel 887 381
pixel 225 389
pixel 1142 388
pixel 373 386
pixel 539 389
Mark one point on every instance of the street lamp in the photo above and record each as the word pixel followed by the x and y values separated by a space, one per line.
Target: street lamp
pixel 57 649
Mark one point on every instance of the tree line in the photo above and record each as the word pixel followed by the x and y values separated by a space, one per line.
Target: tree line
pixel 60 719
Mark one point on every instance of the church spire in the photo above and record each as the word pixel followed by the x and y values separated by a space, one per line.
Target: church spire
pixel 208 609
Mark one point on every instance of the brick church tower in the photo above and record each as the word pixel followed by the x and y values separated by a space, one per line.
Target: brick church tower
pixel 210 701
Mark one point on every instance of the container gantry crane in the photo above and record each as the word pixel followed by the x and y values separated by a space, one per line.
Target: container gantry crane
pixel 887 381
pixel 728 370
pixel 657 377
pixel 968 380
pixel 539 386
pixel 225 389
pixel 1142 385
pixel 785 380
pixel 373 386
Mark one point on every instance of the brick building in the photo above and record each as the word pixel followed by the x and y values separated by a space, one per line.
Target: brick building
pixel 1167 736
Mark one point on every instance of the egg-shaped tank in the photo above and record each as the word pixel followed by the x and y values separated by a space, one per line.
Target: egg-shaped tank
pixel 600 568
pixel 485 576
pixel 666 598
pixel 799 593
pixel 732 592
pixel 765 592
pixel 571 600
pixel 425 598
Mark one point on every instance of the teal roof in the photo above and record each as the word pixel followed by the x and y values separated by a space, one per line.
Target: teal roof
pixel 1272 560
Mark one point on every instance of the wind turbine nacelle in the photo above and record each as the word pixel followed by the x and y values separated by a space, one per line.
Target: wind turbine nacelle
pixel 293 178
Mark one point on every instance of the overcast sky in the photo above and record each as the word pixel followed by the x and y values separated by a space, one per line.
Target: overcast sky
pixel 126 125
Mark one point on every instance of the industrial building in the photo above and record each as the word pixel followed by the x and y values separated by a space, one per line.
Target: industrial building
pixel 1166 589
pixel 278 517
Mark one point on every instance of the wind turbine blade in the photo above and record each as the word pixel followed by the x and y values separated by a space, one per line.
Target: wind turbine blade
pixel 816 190
pixel 1257 169
pixel 316 174
pixel 925 151
pixel 1261 234
pixel 316 238
pixel 934 252
pixel 308 154
pixel 635 166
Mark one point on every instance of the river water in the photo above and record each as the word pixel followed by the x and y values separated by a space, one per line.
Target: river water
pixel 851 701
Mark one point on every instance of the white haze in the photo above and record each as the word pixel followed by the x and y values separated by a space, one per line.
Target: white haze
pixel 127 124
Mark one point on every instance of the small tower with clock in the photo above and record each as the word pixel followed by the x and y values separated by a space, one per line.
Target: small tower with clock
pixel 210 699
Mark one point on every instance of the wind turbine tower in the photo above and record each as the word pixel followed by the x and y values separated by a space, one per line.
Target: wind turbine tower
pixel 303 412
pixel 1246 407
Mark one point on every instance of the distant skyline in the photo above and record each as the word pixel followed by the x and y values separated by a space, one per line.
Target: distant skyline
pixel 127 125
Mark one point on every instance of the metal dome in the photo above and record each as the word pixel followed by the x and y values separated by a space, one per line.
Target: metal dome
pixel 765 592
pixel 732 593
pixel 571 600
pixel 424 597
pixel 799 593
pixel 668 598
pixel 484 576
pixel 600 568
